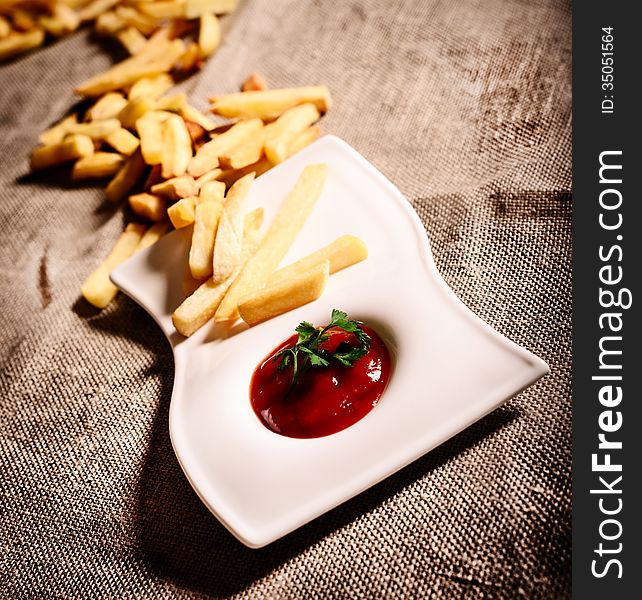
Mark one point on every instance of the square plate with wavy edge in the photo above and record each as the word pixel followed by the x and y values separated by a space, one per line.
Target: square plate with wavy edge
pixel 450 368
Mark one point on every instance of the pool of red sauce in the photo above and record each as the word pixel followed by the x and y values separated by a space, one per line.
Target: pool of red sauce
pixel 325 399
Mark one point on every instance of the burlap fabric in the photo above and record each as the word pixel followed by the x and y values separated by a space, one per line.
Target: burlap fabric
pixel 465 105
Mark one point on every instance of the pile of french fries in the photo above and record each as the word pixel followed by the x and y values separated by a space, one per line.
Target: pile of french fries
pixel 174 165
pixel 26 24
pixel 239 265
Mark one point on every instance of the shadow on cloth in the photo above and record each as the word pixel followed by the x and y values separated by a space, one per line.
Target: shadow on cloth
pixel 181 539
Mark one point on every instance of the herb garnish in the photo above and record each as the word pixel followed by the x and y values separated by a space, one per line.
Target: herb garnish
pixel 307 351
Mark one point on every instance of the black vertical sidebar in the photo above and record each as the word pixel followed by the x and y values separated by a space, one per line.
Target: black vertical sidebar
pixel 607 347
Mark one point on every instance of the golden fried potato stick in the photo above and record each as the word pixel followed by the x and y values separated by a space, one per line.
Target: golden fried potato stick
pixel 275 300
pixel 132 39
pixel 188 9
pixel 153 87
pixel 177 147
pixel 123 141
pixel 181 214
pixel 343 252
pixel 269 104
pixel 97 288
pixel 212 175
pixel 108 24
pixel 209 34
pixel 229 237
pixel 305 138
pixel 134 18
pixel 189 113
pixel 176 188
pixel 147 63
pixel 97 165
pixel 172 103
pixel 199 307
pixel 56 134
pixel 286 225
pixel 72 147
pixel 96 130
pixel 212 191
pixel 61 21
pixel 107 107
pixel 153 234
pixel 134 110
pixel 206 219
pixel 128 176
pixel 5 27
pixel 150 133
pixel 96 8
pixel 244 155
pixel 20 42
pixel 229 176
pixel 149 206
pixel 280 134
pixel 206 158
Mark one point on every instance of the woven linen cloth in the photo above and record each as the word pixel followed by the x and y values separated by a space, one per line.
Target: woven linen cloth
pixel 464 105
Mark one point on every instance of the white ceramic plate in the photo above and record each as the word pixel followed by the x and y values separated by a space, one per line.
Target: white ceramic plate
pixel 449 367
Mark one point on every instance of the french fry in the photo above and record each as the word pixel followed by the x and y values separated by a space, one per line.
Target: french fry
pixel 134 110
pixel 176 188
pixel 149 206
pixel 280 134
pixel 254 83
pixel 132 39
pixel 134 18
pixel 191 59
pixel 108 23
pixel 189 9
pixel 303 139
pixel 206 219
pixel 107 107
pixel 275 300
pixel 56 134
pixel 128 176
pixel 212 175
pixel 97 288
pixel 5 27
pixel 123 141
pixel 209 34
pixel 207 156
pixel 96 130
pixel 20 42
pixel 200 307
pixel 153 234
pixel 62 20
pixel 144 64
pixel 269 104
pixel 172 103
pixel 150 132
pixel 181 214
pixel 212 191
pixel 177 147
pixel 96 8
pixel 153 87
pixel 189 113
pixel 286 225
pixel 229 237
pixel 153 177
pixel 229 176
pixel 24 20
pixel 196 8
pixel 343 252
pixel 96 165
pixel 72 147
pixel 244 155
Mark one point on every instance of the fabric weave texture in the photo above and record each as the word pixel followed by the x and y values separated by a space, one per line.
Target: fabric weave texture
pixel 465 106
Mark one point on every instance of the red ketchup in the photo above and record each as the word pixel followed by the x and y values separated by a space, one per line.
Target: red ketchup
pixel 325 399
